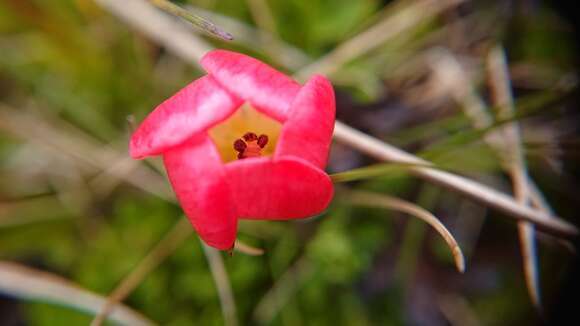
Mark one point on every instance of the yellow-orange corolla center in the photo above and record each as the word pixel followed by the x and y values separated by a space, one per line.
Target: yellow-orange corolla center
pixel 244 121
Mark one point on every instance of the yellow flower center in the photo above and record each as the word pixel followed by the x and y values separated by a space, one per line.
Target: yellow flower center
pixel 247 133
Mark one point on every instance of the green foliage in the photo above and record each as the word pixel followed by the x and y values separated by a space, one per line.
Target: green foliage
pixel 71 61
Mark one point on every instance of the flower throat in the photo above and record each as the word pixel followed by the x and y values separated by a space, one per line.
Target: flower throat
pixel 259 135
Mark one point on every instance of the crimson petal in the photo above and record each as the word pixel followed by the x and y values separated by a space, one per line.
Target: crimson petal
pixel 197 176
pixel 282 189
pixel 308 131
pixel 195 108
pixel 267 89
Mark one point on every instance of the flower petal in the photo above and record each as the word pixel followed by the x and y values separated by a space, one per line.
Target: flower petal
pixel 198 179
pixel 195 108
pixel 283 189
pixel 267 89
pixel 308 131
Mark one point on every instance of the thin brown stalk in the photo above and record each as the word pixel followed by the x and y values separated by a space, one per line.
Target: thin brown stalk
pixel 25 283
pixel 254 38
pixel 516 167
pixel 474 190
pixel 170 242
pixel 381 200
pixel 192 18
pixel 247 249
pixel 222 282
pixel 506 141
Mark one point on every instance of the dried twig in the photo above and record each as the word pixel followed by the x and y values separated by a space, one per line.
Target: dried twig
pixel 30 284
pixel 196 20
pixel 481 193
pixel 505 141
pixel 258 39
pixel 384 201
pixel 515 166
pixel 247 249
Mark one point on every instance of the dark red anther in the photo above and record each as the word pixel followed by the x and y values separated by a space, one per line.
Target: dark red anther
pixel 250 136
pixel 240 145
pixel 250 145
pixel 262 141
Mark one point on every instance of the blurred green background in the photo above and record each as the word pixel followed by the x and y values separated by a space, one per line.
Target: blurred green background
pixel 75 79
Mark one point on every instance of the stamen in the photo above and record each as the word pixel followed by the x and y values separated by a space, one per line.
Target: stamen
pixel 250 145
pixel 262 141
pixel 240 145
pixel 250 136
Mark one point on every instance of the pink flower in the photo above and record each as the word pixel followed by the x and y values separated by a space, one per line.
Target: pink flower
pixel 244 141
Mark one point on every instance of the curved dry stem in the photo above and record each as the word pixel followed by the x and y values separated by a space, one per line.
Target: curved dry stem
pixel 505 141
pixel 170 242
pixel 222 282
pixel 380 200
pixel 479 192
pixel 30 284
pixel 247 249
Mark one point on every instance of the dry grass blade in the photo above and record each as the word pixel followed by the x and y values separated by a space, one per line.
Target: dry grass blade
pixel 170 242
pixel 405 18
pixel 63 139
pixel 222 282
pixel 262 15
pixel 478 192
pixel 159 27
pixel 384 201
pixel 30 284
pixel 516 166
pixel 505 141
pixel 196 20
pixel 250 37
pixel 247 249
